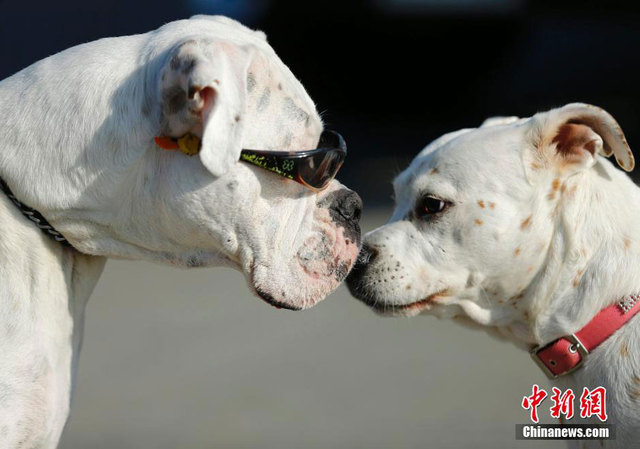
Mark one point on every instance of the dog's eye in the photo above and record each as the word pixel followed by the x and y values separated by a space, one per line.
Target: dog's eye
pixel 430 205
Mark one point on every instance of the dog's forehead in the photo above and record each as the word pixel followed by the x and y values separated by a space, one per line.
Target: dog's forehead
pixel 232 24
pixel 214 27
pixel 466 155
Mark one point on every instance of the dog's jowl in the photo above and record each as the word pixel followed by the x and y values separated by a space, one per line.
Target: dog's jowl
pixel 522 227
pixel 130 147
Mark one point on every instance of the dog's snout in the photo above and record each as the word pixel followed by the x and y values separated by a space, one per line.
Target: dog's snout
pixel 366 256
pixel 347 204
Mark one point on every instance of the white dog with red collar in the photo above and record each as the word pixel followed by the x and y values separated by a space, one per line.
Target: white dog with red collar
pixel 523 228
pixel 79 145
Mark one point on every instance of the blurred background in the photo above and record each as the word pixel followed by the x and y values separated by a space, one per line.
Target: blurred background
pixel 176 359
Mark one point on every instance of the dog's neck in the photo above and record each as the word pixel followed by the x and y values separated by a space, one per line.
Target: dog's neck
pixel 593 258
pixel 44 287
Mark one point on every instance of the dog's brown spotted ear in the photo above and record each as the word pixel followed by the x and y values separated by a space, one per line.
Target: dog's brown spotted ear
pixel 578 132
pixel 204 92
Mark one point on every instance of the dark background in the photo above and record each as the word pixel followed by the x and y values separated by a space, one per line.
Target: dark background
pixel 392 75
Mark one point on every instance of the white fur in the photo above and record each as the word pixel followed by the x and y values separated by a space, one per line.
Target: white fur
pixel 78 130
pixel 532 247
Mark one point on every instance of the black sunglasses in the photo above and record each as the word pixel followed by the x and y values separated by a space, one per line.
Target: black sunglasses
pixel 313 169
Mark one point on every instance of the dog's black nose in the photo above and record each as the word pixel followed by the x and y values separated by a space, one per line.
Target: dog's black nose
pixel 366 256
pixel 345 208
pixel 347 204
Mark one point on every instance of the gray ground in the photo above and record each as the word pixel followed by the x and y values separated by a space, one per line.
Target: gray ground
pixel 189 359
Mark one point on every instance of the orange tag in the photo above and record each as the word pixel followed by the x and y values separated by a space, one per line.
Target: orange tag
pixel 166 143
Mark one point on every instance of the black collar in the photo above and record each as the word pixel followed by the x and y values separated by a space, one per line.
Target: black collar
pixel 35 217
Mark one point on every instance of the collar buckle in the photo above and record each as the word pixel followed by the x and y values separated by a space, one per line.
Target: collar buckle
pixel 576 346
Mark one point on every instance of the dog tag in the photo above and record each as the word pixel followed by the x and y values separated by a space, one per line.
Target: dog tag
pixel 188 144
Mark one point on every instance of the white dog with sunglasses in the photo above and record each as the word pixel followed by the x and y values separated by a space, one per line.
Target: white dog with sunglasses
pixel 84 132
pixel 522 227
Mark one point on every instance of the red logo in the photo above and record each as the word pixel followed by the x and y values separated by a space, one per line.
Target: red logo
pixel 592 403
pixel 532 402
pixel 562 403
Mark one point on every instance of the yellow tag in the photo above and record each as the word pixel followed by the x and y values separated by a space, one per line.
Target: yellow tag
pixel 189 144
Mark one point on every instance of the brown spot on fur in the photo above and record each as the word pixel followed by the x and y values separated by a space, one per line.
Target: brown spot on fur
pixel 481 203
pixel 536 166
pixel 408 287
pixel 433 171
pixel 478 222
pixel 555 185
pixel 529 268
pixel 636 380
pixel 627 242
pixel 634 394
pixel 576 279
pixel 492 205
pixel 516 253
pixel 624 349
pixel 571 192
pixel 526 222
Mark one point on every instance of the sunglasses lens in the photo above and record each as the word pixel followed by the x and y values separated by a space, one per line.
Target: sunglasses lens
pixel 320 169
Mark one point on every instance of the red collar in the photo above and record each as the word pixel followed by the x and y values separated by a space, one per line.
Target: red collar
pixel 568 353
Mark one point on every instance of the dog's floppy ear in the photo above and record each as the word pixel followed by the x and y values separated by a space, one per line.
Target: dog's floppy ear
pixel 204 92
pixel 578 132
